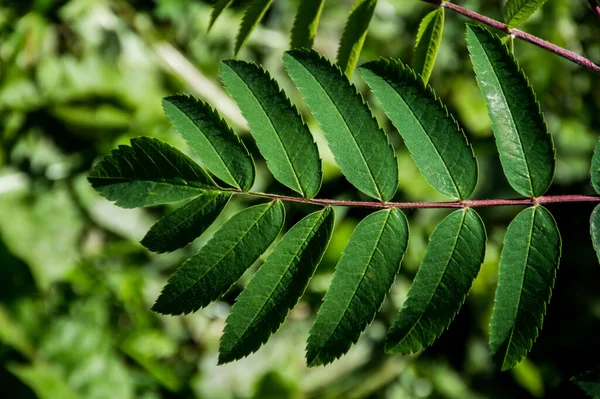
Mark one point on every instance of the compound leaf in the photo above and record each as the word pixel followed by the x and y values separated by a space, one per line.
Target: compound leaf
pixel 182 226
pixel 517 11
pixel 276 287
pixel 595 230
pixel 217 146
pixel 524 144
pixel 150 172
pixel 528 265
pixel 434 139
pixel 454 255
pixel 360 147
pixel 429 37
pixel 595 169
pixel 237 244
pixel 254 13
pixel 305 23
pixel 218 8
pixel 362 278
pixel 354 34
pixel 281 135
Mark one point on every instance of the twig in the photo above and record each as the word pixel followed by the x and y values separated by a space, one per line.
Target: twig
pixel 549 199
pixel 595 7
pixel 569 55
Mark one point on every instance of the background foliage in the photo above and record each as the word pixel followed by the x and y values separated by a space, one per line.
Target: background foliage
pixel 79 77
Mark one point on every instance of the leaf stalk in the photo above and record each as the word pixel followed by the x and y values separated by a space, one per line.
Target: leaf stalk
pixel 548 199
pixel 553 48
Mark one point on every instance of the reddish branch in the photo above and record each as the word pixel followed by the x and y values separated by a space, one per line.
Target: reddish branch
pixel 569 55
pixel 549 199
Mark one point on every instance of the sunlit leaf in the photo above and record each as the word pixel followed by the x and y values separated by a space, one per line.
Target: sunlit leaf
pixel 254 13
pixel 517 11
pixel 429 37
pixel 305 23
pixel 354 35
pixel 524 144
pixel 218 8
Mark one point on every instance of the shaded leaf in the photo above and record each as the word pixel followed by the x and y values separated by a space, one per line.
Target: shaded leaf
pixel 185 224
pixel 429 37
pixel 517 11
pixel 595 169
pixel 354 35
pixel 595 230
pixel 150 172
pixel 237 244
pixel 524 144
pixel 528 265
pixel 588 382
pixel 218 8
pixel 217 146
pixel 454 255
pixel 362 278
pixel 360 147
pixel 254 13
pixel 276 287
pixel 281 135
pixel 434 139
pixel 305 23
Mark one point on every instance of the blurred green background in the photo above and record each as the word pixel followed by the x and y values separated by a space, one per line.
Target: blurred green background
pixel 79 77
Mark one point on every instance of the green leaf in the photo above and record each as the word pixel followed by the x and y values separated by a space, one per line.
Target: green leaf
pixel 360 147
pixel 185 224
pixel 595 169
pixel 221 262
pixel 46 380
pixel 589 382
pixel 217 146
pixel 595 230
pixel 218 8
pixel 256 10
pixel 528 265
pixel 354 34
pixel 149 172
pixel 276 287
pixel 429 37
pixel 525 146
pixel 434 139
pixel 305 23
pixel 362 278
pixel 451 263
pixel 281 135
pixel 517 11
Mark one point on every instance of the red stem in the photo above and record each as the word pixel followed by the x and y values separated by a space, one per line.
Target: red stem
pixel 550 199
pixel 595 7
pixel 569 55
